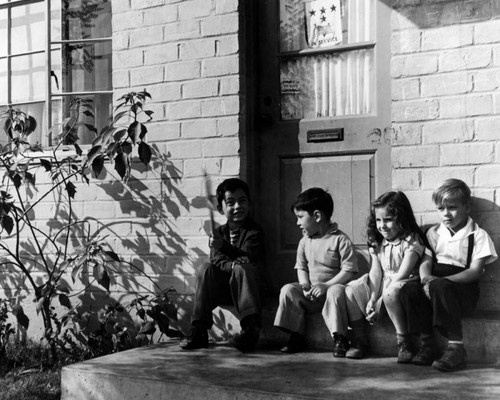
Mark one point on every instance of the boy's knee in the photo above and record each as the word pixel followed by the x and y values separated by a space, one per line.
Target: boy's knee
pixel 439 285
pixel 287 290
pixel 205 269
pixel 336 291
pixel 244 269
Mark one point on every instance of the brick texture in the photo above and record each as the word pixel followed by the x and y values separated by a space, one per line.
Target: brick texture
pixel 445 109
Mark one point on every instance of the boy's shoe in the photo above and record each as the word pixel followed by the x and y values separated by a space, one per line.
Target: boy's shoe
pixel 405 354
pixel 246 341
pixel 340 346
pixel 453 359
pixel 357 351
pixel 427 355
pixel 296 344
pixel 197 339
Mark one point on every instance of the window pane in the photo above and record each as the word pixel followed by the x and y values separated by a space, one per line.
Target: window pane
pixel 82 67
pixel 84 19
pixel 3 81
pixel 324 23
pixel 100 106
pixel 3 33
pixel 28 28
pixel 327 85
pixel 28 78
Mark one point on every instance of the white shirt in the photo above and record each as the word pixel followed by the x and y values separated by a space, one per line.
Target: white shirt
pixel 453 249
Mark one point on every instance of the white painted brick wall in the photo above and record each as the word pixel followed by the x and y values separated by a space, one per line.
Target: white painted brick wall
pixel 445 106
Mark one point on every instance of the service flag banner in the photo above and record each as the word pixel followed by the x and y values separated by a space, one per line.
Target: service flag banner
pixel 323 23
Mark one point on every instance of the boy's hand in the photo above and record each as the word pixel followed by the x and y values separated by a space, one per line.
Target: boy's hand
pixel 215 241
pixel 242 260
pixel 318 290
pixel 426 280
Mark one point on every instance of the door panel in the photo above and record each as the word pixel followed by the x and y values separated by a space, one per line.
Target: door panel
pixel 323 110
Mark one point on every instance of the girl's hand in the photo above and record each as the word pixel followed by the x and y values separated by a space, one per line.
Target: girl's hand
pixel 215 241
pixel 371 315
pixel 370 307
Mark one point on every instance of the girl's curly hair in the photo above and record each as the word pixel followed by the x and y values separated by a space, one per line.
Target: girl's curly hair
pixel 399 206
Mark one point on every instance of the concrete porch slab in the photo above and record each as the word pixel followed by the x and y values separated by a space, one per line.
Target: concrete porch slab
pixel 164 371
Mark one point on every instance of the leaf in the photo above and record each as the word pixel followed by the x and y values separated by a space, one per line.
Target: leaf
pixel 17 180
pixel 17 309
pixel 7 223
pixel 134 131
pixel 141 313
pixel 144 153
pixel 121 164
pixel 46 164
pixel 113 255
pixel 31 125
pixel 147 328
pixel 118 135
pixel 78 149
pixel 104 280
pixel 71 189
pixel 171 311
pixel 98 165
pixel 64 300
pixel 30 178
pixel 93 152
pixel 23 320
pixel 91 128
pixel 163 323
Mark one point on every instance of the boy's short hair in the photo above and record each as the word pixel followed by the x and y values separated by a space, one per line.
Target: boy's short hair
pixel 231 185
pixel 314 199
pixel 452 189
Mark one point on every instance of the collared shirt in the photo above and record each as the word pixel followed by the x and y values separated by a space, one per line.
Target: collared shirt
pixel 392 253
pixel 453 249
pixel 324 257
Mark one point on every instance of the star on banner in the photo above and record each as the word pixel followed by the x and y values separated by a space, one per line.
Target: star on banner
pixel 323 28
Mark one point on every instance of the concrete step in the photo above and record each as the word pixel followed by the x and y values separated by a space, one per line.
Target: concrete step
pixel 481 333
pixel 164 371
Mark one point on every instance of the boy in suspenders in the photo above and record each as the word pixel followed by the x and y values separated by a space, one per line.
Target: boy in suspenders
pixel 449 286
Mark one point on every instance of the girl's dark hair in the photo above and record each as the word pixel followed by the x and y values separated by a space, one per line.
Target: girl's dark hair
pixel 231 185
pixel 314 199
pixel 399 206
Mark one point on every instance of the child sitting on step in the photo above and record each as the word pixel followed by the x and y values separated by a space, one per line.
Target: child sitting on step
pixel 325 257
pixel 234 275
pixel 396 247
pixel 449 286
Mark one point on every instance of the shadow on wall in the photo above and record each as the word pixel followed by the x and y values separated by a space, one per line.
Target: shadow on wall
pixel 143 230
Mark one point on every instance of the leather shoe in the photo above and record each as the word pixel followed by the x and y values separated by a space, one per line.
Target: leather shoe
pixel 197 339
pixel 296 344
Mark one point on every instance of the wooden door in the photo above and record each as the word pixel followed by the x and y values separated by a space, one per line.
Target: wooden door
pixel 322 115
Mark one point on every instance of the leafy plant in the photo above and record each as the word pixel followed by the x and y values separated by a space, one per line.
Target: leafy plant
pixel 6 329
pixel 34 249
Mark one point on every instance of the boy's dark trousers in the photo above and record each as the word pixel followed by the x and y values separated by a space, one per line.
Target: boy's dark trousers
pixel 240 288
pixel 449 302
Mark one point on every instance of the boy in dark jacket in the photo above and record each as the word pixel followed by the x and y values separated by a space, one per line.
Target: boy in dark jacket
pixel 234 274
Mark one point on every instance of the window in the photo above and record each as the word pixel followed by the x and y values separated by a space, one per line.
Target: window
pixel 327 58
pixel 47 62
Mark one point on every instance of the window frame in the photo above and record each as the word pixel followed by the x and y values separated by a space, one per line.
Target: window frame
pixel 49 96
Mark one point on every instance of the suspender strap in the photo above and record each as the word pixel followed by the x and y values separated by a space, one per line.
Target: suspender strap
pixel 470 249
